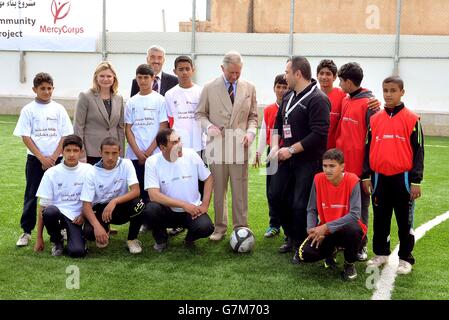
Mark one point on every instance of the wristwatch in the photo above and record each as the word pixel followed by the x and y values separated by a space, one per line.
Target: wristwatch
pixel 291 149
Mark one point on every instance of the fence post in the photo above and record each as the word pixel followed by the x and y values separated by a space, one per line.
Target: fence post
pixel 104 52
pixel 398 37
pixel 292 27
pixel 192 48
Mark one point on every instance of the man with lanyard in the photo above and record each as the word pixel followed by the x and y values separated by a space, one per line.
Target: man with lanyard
pixel 302 125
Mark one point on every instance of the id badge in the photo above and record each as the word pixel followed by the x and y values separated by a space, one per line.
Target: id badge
pixel 287 131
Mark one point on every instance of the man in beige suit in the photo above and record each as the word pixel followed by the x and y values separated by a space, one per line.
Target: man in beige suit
pixel 228 111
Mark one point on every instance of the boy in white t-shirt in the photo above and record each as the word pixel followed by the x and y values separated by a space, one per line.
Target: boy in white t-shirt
pixel 171 178
pixel 111 195
pixel 42 124
pixel 60 204
pixel 145 114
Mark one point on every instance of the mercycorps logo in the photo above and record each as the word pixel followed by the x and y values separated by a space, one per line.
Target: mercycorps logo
pixel 60 10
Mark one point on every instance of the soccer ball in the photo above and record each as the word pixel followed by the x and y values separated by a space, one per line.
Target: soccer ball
pixel 242 240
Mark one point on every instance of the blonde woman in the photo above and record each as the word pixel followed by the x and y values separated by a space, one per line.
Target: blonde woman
pixel 99 113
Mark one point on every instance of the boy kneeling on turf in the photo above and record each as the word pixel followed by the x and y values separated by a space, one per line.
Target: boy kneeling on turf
pixel 111 195
pixel 60 204
pixel 334 215
pixel 394 158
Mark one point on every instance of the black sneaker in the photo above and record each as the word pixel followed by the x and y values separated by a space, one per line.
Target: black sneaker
pixel 331 261
pixel 349 271
pixel 362 255
pixel 286 247
pixel 296 259
pixel 57 249
pixel 175 231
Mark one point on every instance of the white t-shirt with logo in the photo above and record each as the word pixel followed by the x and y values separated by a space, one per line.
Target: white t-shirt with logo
pixel 45 124
pixel 102 185
pixel 144 113
pixel 61 186
pixel 181 105
pixel 179 179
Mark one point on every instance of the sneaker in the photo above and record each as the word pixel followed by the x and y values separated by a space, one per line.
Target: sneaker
pixel 404 267
pixel 64 234
pixel 24 240
pixel 286 247
pixel 57 248
pixel 331 261
pixel 362 255
pixel 377 261
pixel 349 271
pixel 296 259
pixel 216 236
pixel 175 231
pixel 159 247
pixel 271 232
pixel 134 246
pixel 113 232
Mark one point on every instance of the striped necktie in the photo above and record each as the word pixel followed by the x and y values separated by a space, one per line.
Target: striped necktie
pixel 231 92
pixel 155 84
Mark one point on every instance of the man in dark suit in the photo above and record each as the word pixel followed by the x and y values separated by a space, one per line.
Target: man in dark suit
pixel 162 81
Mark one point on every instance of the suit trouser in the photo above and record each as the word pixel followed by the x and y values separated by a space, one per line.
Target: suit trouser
pixel 159 218
pixel 33 176
pixel 349 237
pixel 130 211
pixel 289 195
pixel 238 174
pixel 393 193
pixel 55 221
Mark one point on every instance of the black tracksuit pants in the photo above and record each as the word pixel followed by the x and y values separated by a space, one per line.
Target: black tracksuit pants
pixel 130 211
pixel 289 193
pixel 55 221
pixel 349 237
pixel 33 176
pixel 393 193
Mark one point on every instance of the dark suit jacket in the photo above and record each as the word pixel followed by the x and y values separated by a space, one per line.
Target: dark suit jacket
pixel 168 81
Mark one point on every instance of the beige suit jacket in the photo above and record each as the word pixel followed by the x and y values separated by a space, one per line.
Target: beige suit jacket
pixel 215 108
pixel 92 123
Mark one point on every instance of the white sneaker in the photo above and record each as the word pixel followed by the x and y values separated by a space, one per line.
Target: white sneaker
pixel 134 246
pixel 24 240
pixel 377 261
pixel 404 267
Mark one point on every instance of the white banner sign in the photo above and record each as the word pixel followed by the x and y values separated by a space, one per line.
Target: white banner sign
pixel 50 25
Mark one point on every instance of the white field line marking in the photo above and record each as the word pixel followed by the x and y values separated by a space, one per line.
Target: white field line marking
pixel 385 284
pixel 435 146
pixel 7 122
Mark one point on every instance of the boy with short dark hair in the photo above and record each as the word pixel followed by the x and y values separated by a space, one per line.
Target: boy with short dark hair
pixel 145 115
pixel 334 215
pixel 394 157
pixel 111 195
pixel 60 204
pixel 42 124
pixel 265 132
pixel 326 73
pixel 353 127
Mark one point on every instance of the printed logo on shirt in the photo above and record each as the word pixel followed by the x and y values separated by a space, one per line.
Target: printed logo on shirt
pixel 390 137
pixel 53 119
pixel 78 184
pixel 118 180
pixel 100 186
pixel 59 186
pixel 338 206
pixel 350 120
pixel 149 109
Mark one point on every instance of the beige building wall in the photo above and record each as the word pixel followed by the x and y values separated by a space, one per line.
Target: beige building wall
pixel 419 17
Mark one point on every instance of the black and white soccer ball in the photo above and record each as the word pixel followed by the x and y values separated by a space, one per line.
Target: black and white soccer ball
pixel 242 240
